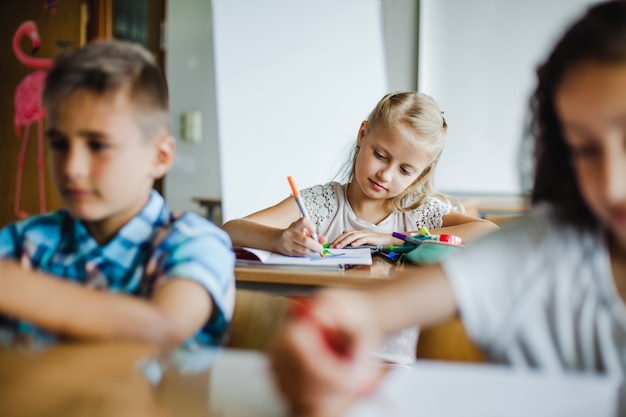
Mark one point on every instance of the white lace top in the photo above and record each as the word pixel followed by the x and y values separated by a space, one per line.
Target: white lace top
pixel 328 207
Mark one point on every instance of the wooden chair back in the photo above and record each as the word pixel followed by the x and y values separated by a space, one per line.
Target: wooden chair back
pixel 256 318
pixel 448 342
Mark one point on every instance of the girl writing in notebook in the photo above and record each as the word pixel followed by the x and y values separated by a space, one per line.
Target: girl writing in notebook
pixel 546 291
pixel 389 188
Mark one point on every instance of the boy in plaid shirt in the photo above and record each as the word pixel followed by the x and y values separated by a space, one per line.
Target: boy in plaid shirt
pixel 143 273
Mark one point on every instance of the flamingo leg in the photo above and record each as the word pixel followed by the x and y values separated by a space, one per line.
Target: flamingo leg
pixel 18 183
pixel 40 167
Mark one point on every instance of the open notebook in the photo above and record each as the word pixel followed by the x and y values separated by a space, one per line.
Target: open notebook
pixel 333 258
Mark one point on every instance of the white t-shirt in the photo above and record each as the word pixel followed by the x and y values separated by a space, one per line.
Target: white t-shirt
pixel 540 294
pixel 328 207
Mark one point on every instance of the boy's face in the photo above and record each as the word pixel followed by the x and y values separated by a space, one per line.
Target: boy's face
pixel 102 164
pixel 591 104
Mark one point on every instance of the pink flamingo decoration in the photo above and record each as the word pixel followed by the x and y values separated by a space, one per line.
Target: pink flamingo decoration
pixel 28 109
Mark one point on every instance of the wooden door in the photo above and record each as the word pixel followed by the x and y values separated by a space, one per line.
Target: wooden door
pixel 60 24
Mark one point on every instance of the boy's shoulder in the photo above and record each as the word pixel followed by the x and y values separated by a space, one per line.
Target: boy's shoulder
pixel 44 227
pixel 43 232
pixel 187 225
pixel 192 224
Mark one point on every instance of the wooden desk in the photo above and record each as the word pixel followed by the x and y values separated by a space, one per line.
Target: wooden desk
pixel 100 380
pixel 294 281
pixel 104 380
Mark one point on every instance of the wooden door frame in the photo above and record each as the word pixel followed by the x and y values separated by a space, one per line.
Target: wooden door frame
pixel 100 26
pixel 100 23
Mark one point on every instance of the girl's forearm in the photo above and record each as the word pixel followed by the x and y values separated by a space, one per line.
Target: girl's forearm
pixel 248 233
pixel 417 296
pixel 468 231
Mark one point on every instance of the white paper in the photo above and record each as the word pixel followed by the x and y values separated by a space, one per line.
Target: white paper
pixel 451 389
pixel 241 386
pixel 337 257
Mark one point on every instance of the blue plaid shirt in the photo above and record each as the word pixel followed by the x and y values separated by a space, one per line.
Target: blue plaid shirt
pixel 151 248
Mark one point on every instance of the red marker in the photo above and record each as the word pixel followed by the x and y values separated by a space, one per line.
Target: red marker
pixel 336 342
pixel 451 239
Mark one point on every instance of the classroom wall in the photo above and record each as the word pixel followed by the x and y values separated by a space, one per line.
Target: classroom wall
pixel 294 82
pixel 190 67
pixel 190 73
pixel 478 59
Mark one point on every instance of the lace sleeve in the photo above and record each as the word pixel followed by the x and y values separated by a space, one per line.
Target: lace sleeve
pixel 430 214
pixel 320 202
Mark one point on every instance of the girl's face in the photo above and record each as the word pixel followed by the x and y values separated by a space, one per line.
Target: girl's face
pixel 591 105
pixel 389 160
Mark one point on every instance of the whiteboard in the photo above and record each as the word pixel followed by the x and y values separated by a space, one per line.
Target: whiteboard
pixel 294 80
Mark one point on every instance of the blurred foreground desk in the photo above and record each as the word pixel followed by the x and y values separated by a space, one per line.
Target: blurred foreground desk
pixel 117 380
pixel 95 380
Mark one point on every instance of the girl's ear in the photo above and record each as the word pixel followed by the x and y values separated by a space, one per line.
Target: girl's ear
pixel 165 150
pixel 362 132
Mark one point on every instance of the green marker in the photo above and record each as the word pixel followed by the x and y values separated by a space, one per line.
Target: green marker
pixel 402 249
pixel 425 231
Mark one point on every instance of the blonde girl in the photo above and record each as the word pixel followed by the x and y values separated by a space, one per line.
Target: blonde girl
pixel 547 291
pixel 389 188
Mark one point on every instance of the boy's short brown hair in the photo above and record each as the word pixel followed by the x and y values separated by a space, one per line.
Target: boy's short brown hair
pixel 106 67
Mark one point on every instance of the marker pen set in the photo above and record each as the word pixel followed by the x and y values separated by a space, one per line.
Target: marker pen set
pixel 427 237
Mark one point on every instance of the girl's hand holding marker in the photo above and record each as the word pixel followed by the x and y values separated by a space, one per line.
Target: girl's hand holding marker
pixel 296 196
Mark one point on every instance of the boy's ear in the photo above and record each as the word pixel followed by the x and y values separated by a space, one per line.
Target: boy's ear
pixel 361 134
pixel 165 147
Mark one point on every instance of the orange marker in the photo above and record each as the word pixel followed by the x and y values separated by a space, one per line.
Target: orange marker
pixel 296 195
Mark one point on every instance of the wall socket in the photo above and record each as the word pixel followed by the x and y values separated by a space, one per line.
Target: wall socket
pixel 191 126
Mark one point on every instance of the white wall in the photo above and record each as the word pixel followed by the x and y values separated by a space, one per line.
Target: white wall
pixel 190 69
pixel 190 73
pixel 477 58
pixel 400 33
pixel 294 81
pixel 278 57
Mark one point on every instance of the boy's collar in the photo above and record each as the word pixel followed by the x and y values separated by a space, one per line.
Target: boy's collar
pixel 141 227
pixel 138 230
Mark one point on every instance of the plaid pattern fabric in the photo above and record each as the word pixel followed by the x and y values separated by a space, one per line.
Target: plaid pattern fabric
pixel 153 247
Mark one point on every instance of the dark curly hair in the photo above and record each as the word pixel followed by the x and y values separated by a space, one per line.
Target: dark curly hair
pixel 600 36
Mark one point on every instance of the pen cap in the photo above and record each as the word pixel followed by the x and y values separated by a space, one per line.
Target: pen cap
pixel 294 189
pixel 451 239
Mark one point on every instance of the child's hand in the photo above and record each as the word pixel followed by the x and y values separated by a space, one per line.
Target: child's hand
pixel 296 239
pixel 322 360
pixel 364 237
